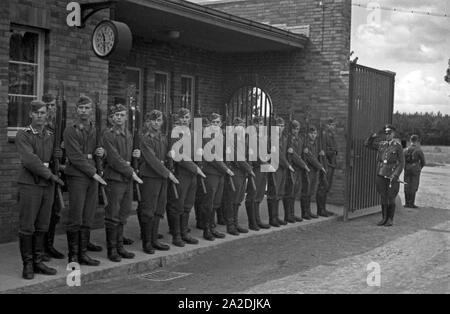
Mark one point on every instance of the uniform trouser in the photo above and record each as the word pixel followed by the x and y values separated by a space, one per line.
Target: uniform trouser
pixel 412 181
pixel 186 189
pixel 309 183
pixel 387 190
pixel 56 212
pixel 35 204
pixel 323 186
pixel 213 197
pixel 198 203
pixel 260 182
pixel 233 198
pixel 293 190
pixel 83 200
pixel 276 184
pixel 154 198
pixel 120 198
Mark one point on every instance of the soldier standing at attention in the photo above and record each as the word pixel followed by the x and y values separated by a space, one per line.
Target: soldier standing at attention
pixel 414 162
pixel 215 171
pixel 293 189
pixel 254 197
pixel 154 173
pixel 329 147
pixel 241 169
pixel 186 171
pixel 390 164
pixel 310 180
pixel 119 175
pixel 277 182
pixel 36 190
pixel 55 216
pixel 83 180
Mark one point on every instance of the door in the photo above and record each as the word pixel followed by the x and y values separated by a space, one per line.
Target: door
pixel 371 106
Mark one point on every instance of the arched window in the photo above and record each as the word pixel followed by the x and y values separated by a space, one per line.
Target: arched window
pixel 248 102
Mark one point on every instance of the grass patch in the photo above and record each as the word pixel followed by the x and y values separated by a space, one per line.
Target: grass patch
pixel 436 156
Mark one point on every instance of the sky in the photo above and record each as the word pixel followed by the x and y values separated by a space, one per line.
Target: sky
pixel 416 47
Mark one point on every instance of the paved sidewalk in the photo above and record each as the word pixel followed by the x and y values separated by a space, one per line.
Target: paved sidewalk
pixel 11 265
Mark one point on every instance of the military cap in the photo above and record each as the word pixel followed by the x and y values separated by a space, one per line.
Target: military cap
pixel 215 116
pixel 312 128
pixel 48 98
pixel 35 105
pixel 414 138
pixel 153 115
pixel 257 119
pixel 118 108
pixel 176 118
pixel 388 128
pixel 331 120
pixel 279 120
pixel 205 121
pixel 238 120
pixel 84 100
pixel 295 124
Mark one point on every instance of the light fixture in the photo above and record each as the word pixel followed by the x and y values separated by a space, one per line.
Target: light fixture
pixel 174 34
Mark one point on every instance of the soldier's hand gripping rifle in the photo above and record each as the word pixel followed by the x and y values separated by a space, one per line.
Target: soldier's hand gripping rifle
pixel 233 188
pixel 135 120
pixel 322 155
pixel 98 134
pixel 57 145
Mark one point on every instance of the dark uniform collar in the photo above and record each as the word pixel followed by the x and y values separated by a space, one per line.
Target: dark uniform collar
pixel 81 126
pixel 36 131
pixel 152 133
pixel 118 130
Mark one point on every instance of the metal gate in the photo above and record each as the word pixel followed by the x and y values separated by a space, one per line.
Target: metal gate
pixel 247 102
pixel 371 106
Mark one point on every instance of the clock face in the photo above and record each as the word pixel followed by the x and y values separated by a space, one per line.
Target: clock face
pixel 103 39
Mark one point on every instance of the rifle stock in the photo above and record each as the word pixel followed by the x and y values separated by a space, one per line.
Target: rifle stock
pixel 57 144
pixel 98 131
pixel 136 128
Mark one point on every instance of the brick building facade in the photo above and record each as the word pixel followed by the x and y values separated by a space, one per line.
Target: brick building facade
pixel 311 76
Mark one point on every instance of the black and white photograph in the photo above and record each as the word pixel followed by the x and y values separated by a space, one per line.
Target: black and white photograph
pixel 224 155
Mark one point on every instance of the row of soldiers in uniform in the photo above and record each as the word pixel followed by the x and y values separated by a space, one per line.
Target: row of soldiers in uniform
pixel 170 187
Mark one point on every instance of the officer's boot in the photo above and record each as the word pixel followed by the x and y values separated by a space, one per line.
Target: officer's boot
pixel 288 215
pixel 276 212
pixel 120 243
pixel 207 234
pixel 91 246
pixel 296 218
pixel 257 210
pixel 73 245
pixel 406 200
pixel 50 238
pixel 413 200
pixel 38 251
pixel 239 228
pixel 321 203
pixel 383 215
pixel 229 216
pixel 304 208
pixel 250 209
pixel 26 250
pixel 83 258
pixel 146 234
pixel 220 216
pixel 308 203
pixel 200 221
pixel 127 241
pixel 390 215
pixel 175 219
pixel 273 218
pixel 111 244
pixel 155 242
pixel 184 224
pixel 214 232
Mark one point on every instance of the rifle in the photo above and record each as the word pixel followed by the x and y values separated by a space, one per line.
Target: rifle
pixel 57 144
pixel 98 132
pixel 170 164
pixel 305 139
pixel 322 159
pixel 135 131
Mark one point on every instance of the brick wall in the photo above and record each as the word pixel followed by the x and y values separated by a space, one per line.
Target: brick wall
pixel 310 77
pixel 68 59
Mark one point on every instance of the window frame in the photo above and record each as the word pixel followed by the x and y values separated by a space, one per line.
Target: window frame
pixel 192 98
pixel 167 103
pixel 141 84
pixel 12 131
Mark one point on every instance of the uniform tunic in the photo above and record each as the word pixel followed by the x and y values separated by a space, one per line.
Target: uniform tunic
pixel 310 179
pixel 36 191
pixel 330 149
pixel 118 144
pixel 260 177
pixel 155 175
pixel 414 162
pixel 277 180
pixel 293 189
pixel 390 163
pixel 80 144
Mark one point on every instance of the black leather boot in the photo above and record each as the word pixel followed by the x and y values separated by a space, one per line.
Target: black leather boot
pixel 50 238
pixel 207 234
pixel 220 216
pixel 91 246
pixel 200 220
pixel 390 215
pixel 229 217
pixel 413 200
pixel 321 205
pixel 273 220
pixel 296 218
pixel 38 251
pixel 127 241
pixel 236 219
pixel 383 215
pixel 288 214
pixel 83 258
pixel 257 211
pixel 146 233
pixel 111 244
pixel 251 211
pixel 308 203
pixel 26 251
pixel 214 232
pixel 120 243
pixel 185 236
pixel 304 208
pixel 276 213
pixel 73 246
pixel 155 242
